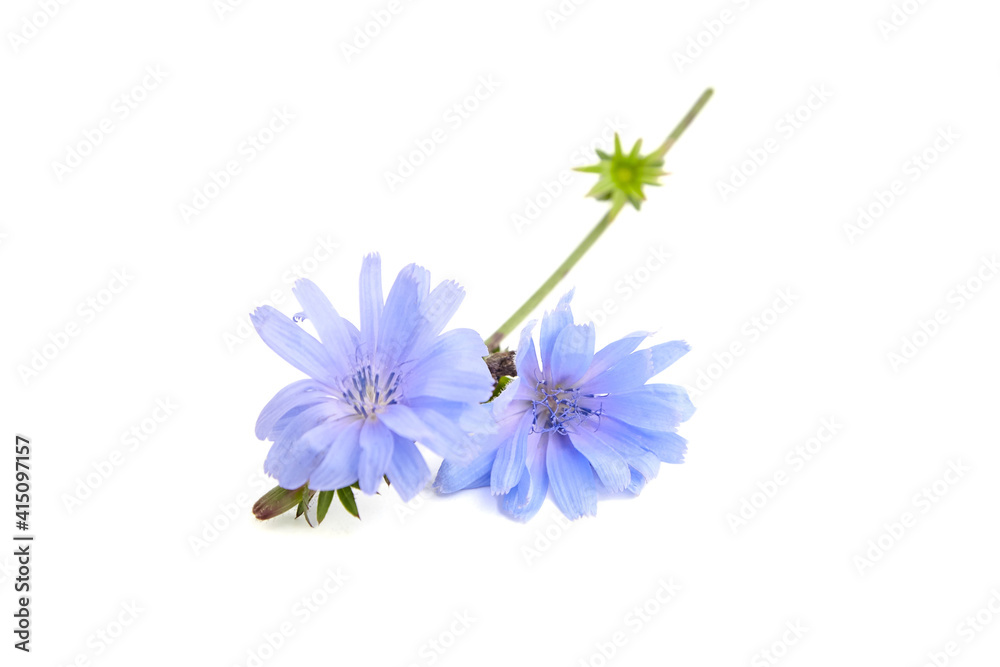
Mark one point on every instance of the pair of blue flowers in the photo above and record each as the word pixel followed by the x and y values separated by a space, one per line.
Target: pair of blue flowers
pixel 574 421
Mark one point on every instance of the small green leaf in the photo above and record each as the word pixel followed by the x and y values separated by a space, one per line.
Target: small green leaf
pixel 323 505
pixel 502 382
pixel 307 495
pixel 347 500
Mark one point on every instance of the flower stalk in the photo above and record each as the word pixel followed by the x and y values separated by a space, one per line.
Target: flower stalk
pixel 612 175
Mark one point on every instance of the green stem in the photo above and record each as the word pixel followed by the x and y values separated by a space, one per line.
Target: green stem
pixel 685 121
pixel 493 342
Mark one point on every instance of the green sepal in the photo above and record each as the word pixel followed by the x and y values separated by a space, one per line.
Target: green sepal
pixel 307 496
pixel 323 505
pixel 347 500
pixel 502 382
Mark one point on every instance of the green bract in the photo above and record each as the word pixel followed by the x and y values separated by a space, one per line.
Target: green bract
pixel 623 175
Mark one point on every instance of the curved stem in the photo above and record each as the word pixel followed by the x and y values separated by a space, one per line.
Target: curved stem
pixel 493 342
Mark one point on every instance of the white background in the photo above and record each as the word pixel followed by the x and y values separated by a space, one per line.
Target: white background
pixel 534 599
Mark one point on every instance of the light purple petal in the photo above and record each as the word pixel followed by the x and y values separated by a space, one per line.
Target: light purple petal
pixel 612 353
pixel 480 483
pixel 331 327
pixel 571 478
pixel 469 417
pixel 303 421
pixel 442 433
pixel 630 373
pixel 511 455
pixel 448 439
pixel 524 500
pixel 451 371
pixel 407 472
pixel 294 345
pixel 667 353
pixel 376 451
pixel 339 468
pixel 667 446
pixel 609 465
pixel 401 313
pixel 526 358
pixel 463 343
pixel 370 292
pixel 286 419
pixel 634 370
pixel 623 439
pixel 659 407
pixel 303 454
pixel 435 312
pixel 572 354
pixel 552 325
pixel 637 482
pixel 454 477
pixel 302 392
pixel 404 421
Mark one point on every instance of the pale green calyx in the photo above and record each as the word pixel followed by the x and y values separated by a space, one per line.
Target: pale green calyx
pixel 622 176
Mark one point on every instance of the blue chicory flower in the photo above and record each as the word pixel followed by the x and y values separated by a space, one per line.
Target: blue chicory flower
pixel 372 393
pixel 580 422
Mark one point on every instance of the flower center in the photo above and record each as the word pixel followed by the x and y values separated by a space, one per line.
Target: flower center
pixel 369 392
pixel 556 408
pixel 623 176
